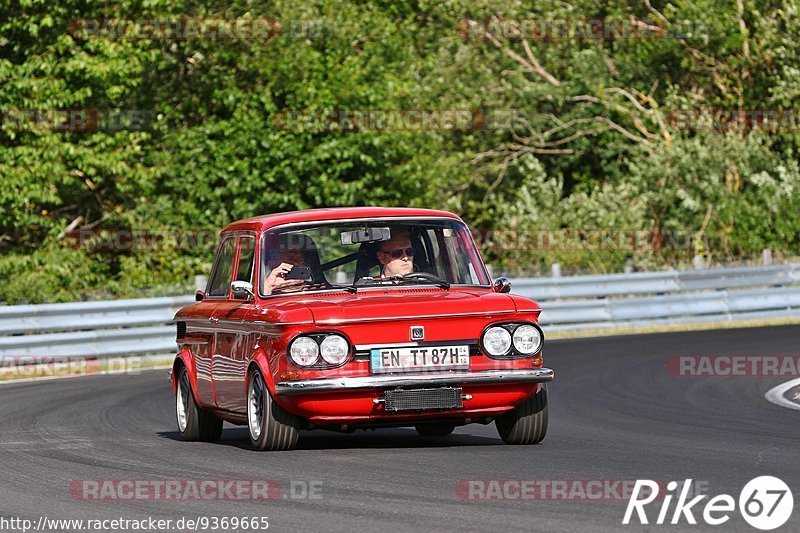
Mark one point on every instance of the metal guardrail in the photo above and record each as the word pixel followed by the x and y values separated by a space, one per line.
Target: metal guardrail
pixel 102 328
pixel 542 289
pixel 143 325
pixel 665 298
pixel 683 308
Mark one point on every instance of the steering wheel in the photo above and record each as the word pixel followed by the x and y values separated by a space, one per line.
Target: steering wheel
pixel 424 275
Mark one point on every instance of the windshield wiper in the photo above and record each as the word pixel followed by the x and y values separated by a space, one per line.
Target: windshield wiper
pixel 369 281
pixel 425 276
pixel 422 276
pixel 413 277
pixel 326 285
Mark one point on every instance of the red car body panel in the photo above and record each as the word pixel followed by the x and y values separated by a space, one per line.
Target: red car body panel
pixel 221 339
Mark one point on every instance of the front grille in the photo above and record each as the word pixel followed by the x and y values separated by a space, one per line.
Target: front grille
pixel 416 399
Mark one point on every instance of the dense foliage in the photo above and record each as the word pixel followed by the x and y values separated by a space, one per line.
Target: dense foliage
pixel 581 134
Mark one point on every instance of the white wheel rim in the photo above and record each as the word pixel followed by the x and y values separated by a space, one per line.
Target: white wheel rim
pixel 182 400
pixel 255 407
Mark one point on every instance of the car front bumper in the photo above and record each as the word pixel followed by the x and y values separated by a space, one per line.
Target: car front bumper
pixel 534 375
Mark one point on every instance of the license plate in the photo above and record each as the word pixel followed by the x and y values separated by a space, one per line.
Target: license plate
pixel 419 358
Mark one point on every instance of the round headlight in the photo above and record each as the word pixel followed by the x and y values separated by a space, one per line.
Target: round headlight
pixel 334 349
pixel 497 341
pixel 527 339
pixel 304 351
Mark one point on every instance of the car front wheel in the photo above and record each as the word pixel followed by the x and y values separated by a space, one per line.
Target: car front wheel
pixel 194 423
pixel 271 428
pixel 527 424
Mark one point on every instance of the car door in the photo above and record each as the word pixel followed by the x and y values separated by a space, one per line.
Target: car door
pixel 232 343
pixel 205 328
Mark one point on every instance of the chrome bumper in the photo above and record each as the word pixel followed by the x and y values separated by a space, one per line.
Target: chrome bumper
pixel 538 375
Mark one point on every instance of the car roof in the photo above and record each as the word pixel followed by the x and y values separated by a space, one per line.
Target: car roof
pixel 264 222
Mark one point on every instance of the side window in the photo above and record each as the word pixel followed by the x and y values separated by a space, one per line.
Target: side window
pixel 247 247
pixel 221 277
pixel 460 259
pixel 431 243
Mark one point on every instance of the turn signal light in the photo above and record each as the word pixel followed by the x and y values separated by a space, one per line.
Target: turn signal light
pixel 290 375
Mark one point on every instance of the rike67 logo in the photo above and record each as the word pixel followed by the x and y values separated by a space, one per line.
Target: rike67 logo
pixel 765 503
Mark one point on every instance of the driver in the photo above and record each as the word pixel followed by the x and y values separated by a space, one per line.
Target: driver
pixel 396 256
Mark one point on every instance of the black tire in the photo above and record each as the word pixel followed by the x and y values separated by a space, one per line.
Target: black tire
pixel 270 427
pixel 196 424
pixel 435 430
pixel 527 424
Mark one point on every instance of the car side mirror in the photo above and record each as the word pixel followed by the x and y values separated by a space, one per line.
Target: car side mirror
pixel 501 284
pixel 199 295
pixel 242 289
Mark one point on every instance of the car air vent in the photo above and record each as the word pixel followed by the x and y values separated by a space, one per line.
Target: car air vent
pixel 331 294
pixel 421 399
pixel 181 330
pixel 426 289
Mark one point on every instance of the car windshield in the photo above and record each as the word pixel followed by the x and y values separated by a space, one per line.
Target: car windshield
pixel 351 255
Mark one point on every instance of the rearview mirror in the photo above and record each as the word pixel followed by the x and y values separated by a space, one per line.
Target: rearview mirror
pixel 366 235
pixel 242 289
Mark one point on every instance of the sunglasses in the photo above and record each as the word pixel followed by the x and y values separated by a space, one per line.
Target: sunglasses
pixel 398 253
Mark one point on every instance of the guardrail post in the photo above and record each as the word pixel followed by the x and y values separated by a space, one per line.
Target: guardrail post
pixel 200 283
pixel 698 263
pixel 766 257
pixel 555 270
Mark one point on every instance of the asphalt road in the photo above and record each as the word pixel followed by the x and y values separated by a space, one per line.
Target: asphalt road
pixel 615 414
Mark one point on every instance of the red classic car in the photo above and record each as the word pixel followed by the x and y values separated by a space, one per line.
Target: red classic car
pixel 356 318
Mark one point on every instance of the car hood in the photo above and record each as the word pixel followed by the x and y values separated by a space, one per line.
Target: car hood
pixel 409 303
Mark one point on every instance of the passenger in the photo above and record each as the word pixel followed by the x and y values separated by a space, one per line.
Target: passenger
pixel 281 263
